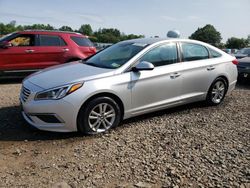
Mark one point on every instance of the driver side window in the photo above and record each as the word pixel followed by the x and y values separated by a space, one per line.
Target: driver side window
pixel 162 55
pixel 23 40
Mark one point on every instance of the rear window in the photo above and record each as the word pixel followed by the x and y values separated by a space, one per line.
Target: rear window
pixel 51 40
pixel 214 53
pixel 193 52
pixel 81 41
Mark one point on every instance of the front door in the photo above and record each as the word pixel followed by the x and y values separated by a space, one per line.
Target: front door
pixel 160 87
pixel 21 55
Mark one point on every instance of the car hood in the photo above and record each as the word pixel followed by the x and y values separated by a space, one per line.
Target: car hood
pixel 67 73
pixel 244 62
pixel 239 56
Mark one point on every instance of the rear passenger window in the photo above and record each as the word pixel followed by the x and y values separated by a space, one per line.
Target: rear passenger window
pixel 214 54
pixel 51 40
pixel 81 41
pixel 192 52
pixel 162 55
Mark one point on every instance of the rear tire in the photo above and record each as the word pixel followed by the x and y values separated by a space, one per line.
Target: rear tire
pixel 99 115
pixel 217 92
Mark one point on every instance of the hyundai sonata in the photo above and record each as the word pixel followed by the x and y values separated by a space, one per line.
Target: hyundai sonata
pixel 127 79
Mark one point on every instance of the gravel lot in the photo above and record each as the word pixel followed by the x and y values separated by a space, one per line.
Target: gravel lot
pixel 188 146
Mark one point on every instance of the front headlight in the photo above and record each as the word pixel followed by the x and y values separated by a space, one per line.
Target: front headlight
pixel 58 93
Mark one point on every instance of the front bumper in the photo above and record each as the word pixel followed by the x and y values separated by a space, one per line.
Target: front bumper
pixel 48 115
pixel 63 111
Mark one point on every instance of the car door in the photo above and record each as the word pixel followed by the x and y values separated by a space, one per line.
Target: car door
pixel 52 50
pixel 160 87
pixel 198 72
pixel 20 55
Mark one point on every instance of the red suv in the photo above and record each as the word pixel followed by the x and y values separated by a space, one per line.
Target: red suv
pixel 31 50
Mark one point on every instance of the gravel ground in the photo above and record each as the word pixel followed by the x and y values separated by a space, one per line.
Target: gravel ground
pixel 188 146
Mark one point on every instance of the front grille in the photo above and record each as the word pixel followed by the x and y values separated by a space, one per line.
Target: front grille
pixel 25 93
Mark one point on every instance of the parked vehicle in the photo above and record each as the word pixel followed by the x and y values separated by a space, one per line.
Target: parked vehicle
pixel 31 50
pixel 244 52
pixel 244 68
pixel 230 51
pixel 127 79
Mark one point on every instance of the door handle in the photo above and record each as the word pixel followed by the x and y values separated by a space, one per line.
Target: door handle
pixel 175 75
pixel 210 68
pixel 65 49
pixel 29 51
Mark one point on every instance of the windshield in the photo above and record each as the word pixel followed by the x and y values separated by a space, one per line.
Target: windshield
pixel 6 37
pixel 115 56
pixel 244 51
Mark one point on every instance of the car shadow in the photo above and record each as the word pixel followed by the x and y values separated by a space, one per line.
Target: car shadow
pixel 14 128
pixel 11 80
pixel 243 84
pixel 178 109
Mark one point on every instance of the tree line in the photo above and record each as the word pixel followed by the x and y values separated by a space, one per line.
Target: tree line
pixel 210 35
pixel 105 35
pixel 206 34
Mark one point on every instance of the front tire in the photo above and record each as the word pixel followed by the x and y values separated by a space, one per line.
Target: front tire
pixel 99 115
pixel 217 92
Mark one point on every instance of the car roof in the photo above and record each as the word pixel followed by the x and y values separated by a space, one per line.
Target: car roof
pixel 49 32
pixel 149 41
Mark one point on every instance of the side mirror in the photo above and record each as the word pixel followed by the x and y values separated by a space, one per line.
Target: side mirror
pixel 5 44
pixel 144 65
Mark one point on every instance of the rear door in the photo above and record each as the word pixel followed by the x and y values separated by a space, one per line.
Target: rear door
pixel 51 50
pixel 199 70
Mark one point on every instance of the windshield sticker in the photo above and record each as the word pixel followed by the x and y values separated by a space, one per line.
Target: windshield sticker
pixel 115 65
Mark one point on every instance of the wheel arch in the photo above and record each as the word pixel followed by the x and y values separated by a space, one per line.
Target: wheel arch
pixel 103 94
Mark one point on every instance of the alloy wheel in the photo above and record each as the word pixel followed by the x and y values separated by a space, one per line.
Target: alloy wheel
pixel 218 91
pixel 101 117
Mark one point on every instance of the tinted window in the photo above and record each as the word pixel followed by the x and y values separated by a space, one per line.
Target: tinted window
pixel 115 56
pixel 162 55
pixel 214 53
pixel 192 52
pixel 23 40
pixel 51 40
pixel 81 41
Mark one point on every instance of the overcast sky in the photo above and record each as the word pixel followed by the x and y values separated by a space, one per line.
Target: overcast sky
pixel 147 17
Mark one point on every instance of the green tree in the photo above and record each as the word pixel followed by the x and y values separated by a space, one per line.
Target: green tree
pixel 207 34
pixel 39 26
pixel 5 29
pixel 237 43
pixel 65 28
pixel 248 39
pixel 131 36
pixel 86 29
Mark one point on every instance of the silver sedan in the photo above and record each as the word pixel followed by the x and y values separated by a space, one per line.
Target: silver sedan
pixel 127 79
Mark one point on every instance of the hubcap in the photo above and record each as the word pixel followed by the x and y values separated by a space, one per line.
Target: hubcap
pixel 101 117
pixel 218 92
